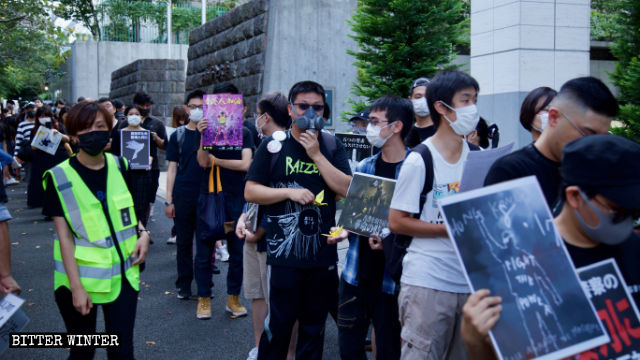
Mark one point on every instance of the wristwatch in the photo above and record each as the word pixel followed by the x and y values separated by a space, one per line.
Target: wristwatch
pixel 167 203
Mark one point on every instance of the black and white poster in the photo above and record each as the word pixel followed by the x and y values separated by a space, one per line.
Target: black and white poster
pixel 357 146
pixel 366 207
pixel 12 319
pixel 46 140
pixel 507 242
pixel 135 147
pixel 252 217
pixel 604 285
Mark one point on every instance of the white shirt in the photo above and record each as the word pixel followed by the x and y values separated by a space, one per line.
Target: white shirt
pixel 430 262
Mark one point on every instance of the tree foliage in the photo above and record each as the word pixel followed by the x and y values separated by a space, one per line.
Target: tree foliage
pixel 81 11
pixel 32 47
pixel 401 40
pixel 626 49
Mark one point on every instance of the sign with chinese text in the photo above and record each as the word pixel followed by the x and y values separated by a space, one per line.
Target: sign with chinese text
pixel 366 207
pixel 605 287
pixel 135 147
pixel 224 114
pixel 357 147
pixel 506 240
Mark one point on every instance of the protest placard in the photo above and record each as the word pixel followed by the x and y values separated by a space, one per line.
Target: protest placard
pixel 357 147
pixel 366 207
pixel 507 242
pixel 12 319
pixel 135 147
pixel 605 287
pixel 477 165
pixel 252 217
pixel 224 117
pixel 46 140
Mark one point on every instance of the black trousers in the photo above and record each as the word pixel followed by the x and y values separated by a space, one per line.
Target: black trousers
pixel 305 295
pixel 119 318
pixel 358 308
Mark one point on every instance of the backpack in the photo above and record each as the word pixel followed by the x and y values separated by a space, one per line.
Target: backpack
pixel 395 245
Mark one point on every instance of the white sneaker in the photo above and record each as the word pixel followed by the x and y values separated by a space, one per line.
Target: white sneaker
pixel 224 254
pixel 11 181
pixel 171 240
pixel 253 354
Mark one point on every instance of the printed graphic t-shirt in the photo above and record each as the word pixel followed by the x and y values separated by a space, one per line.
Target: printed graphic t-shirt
pixel 430 262
pixel 294 231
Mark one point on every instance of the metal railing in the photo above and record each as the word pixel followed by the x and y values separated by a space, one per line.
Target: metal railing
pixel 146 21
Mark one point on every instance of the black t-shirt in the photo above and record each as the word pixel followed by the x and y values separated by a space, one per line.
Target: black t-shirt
pixel 294 232
pixel 371 263
pixel 251 126
pixel 189 172
pixel 625 254
pixel 96 181
pixel 232 181
pixel 526 162
pixel 417 135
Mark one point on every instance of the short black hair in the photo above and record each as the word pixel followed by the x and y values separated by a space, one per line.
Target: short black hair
pixel 275 104
pixel 117 103
pixel 104 100
pixel 590 93
pixel 226 88
pixel 306 86
pixel 81 99
pixel 142 98
pixel 444 86
pixel 529 108
pixel 194 94
pixel 60 102
pixel 126 111
pixel 398 109
pixel 37 99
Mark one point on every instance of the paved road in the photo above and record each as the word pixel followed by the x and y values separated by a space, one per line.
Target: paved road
pixel 165 326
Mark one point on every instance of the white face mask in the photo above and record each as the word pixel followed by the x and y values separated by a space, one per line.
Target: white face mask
pixel 420 107
pixel 195 115
pixel 134 120
pixel 45 120
pixel 373 135
pixel 466 119
pixel 259 127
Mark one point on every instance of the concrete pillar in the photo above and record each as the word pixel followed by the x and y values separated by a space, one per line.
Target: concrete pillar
pixel 518 45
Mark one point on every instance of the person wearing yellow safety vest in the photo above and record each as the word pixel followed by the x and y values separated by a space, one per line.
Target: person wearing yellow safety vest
pixel 100 241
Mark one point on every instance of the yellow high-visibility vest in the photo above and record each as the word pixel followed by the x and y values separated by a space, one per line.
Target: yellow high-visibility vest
pixel 95 253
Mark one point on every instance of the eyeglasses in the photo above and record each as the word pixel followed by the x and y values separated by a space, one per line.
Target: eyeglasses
pixel 305 107
pixel 192 106
pixel 375 122
pixel 257 116
pixel 574 124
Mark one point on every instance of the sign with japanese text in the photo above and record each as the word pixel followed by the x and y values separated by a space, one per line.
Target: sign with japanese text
pixel 356 146
pixel 366 207
pixel 604 285
pixel 135 147
pixel 224 114
pixel 507 242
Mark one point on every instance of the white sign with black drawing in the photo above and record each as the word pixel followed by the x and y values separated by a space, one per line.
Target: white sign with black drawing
pixel 46 140
pixel 507 242
pixel 12 319
pixel 135 147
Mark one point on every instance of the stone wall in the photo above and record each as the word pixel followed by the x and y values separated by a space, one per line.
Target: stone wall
pixel 230 48
pixel 162 79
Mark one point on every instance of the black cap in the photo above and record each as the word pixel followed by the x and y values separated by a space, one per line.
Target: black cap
pixel 608 164
pixel 421 81
pixel 362 115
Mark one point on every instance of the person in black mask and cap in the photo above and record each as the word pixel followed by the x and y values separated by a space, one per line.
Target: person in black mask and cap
pixel 601 195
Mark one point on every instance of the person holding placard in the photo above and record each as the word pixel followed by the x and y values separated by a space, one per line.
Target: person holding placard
pixel 368 294
pixel 601 199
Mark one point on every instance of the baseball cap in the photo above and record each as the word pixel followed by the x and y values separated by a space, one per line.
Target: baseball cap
pixel 608 164
pixel 362 115
pixel 421 81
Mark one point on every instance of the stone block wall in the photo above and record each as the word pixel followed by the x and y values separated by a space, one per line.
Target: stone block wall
pixel 230 48
pixel 162 79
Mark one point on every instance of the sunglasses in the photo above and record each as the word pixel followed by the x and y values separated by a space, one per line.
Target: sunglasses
pixel 305 107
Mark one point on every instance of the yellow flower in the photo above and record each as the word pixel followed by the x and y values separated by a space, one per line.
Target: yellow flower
pixel 319 199
pixel 335 233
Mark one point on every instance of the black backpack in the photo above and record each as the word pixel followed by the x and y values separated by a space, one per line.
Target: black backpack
pixel 395 245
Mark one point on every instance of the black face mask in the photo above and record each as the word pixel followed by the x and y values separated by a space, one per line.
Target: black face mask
pixel 144 112
pixel 93 142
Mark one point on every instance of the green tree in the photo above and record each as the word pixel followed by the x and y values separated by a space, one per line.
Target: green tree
pixel 32 48
pixel 82 11
pixel 626 49
pixel 401 40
